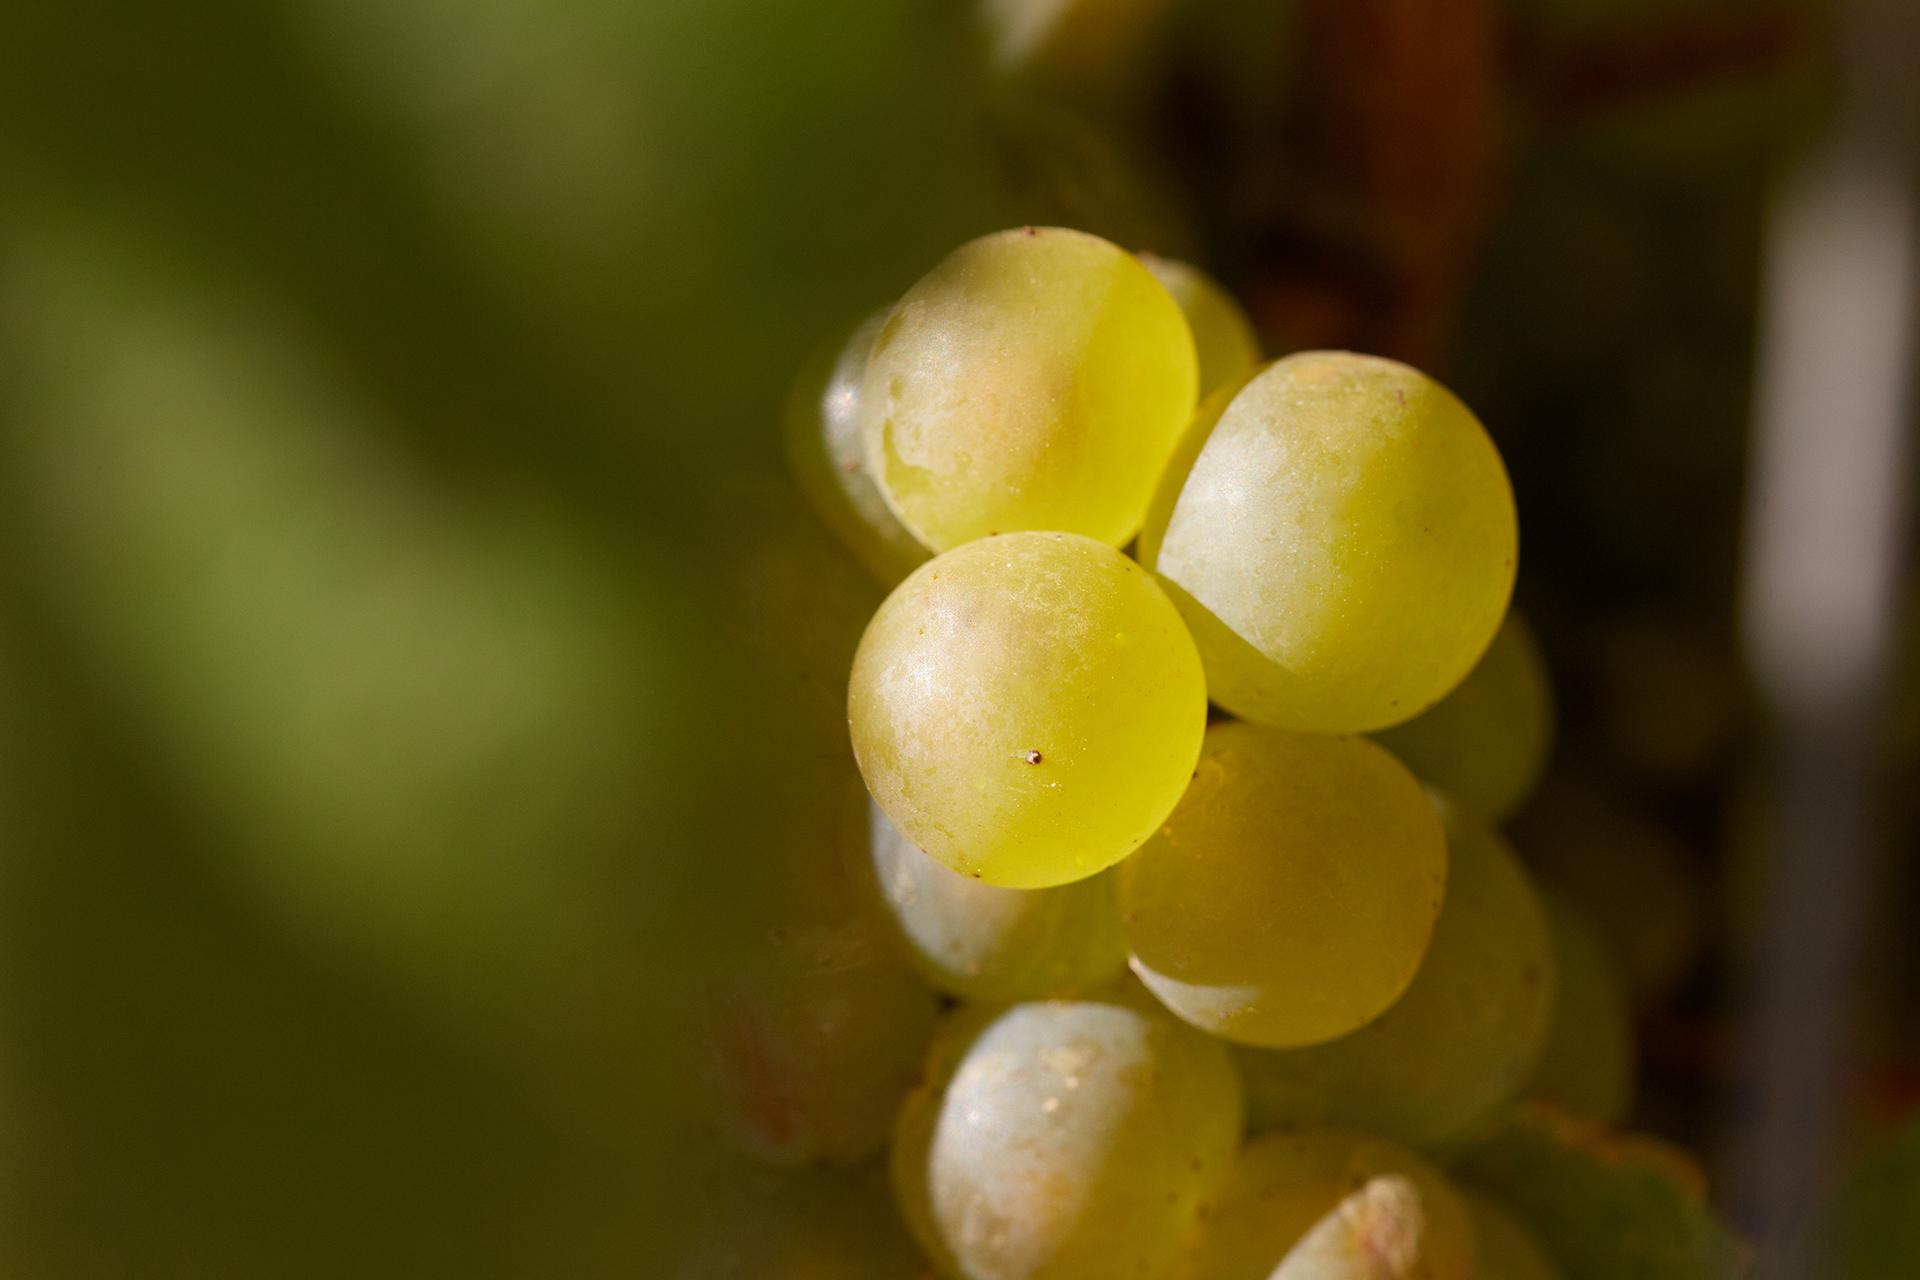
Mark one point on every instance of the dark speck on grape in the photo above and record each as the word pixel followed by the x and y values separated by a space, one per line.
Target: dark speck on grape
pixel 1033 757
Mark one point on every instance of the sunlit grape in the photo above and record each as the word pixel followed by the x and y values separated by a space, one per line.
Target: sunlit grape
pixel 1290 896
pixel 1035 379
pixel 825 453
pixel 1379 1232
pixel 982 942
pixel 1484 743
pixel 1027 708
pixel 1285 1182
pixel 1223 339
pixel 1343 544
pixel 1586 1065
pixel 1504 1247
pixel 1070 1139
pixel 1464 1037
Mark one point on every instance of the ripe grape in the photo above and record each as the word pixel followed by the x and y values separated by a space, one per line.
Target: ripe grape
pixel 825 453
pixel 1035 379
pixel 1285 1182
pixel 1290 896
pixel 1067 1139
pixel 1464 1037
pixel 1505 1248
pixel 981 942
pixel 1586 1065
pixel 1343 544
pixel 1484 743
pixel 1223 337
pixel 1379 1232
pixel 1027 708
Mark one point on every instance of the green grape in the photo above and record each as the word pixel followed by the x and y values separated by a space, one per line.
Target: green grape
pixel 757 1223
pixel 1035 379
pixel 1459 1043
pixel 1027 708
pixel 985 943
pixel 824 451
pixel 1484 743
pixel 1290 896
pixel 1505 1248
pixel 1343 544
pixel 1605 1206
pixel 1586 1066
pixel 1067 1139
pixel 1379 1232
pixel 1223 337
pixel 1285 1182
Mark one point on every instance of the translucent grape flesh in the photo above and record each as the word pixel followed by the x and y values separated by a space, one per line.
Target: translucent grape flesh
pixel 1343 544
pixel 1223 339
pixel 1290 896
pixel 1027 708
pixel 1035 379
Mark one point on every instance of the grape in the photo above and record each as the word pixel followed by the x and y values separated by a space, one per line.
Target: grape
pixel 981 942
pixel 1223 337
pixel 1343 544
pixel 816 1224
pixel 1035 379
pixel 1379 1232
pixel 1285 1182
pixel 1505 1248
pixel 1586 1066
pixel 1605 1205
pixel 1484 743
pixel 1291 894
pixel 1068 1139
pixel 1027 708
pixel 826 456
pixel 1464 1037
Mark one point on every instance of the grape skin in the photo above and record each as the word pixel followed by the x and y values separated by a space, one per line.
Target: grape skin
pixel 1223 337
pixel 1027 708
pixel 1485 743
pixel 1070 1139
pixel 985 943
pixel 1035 379
pixel 1285 1182
pixel 1379 1232
pixel 1343 544
pixel 827 456
pixel 1586 1066
pixel 1290 896
pixel 1462 1040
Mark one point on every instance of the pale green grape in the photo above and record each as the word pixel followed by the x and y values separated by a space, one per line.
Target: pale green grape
pixel 1035 379
pixel 1484 743
pixel 1379 1232
pixel 1464 1037
pixel 1285 1182
pixel 1290 896
pixel 1586 1066
pixel 1027 708
pixel 757 1223
pixel 1343 544
pixel 1504 1246
pixel 1069 1139
pixel 1223 337
pixel 982 942
pixel 825 453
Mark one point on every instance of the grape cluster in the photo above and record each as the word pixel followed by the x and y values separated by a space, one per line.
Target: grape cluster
pixel 1231 994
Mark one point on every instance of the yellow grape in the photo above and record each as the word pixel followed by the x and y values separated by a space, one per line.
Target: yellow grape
pixel 1223 337
pixel 1285 1182
pixel 1507 1248
pixel 1379 1232
pixel 1066 1139
pixel 981 942
pixel 1343 544
pixel 1035 379
pixel 1586 1067
pixel 1462 1040
pixel 1027 708
pixel 826 456
pixel 1290 896
pixel 1484 744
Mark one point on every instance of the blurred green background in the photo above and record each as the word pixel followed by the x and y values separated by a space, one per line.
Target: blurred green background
pixel 405 637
